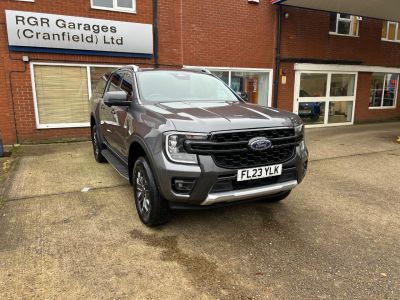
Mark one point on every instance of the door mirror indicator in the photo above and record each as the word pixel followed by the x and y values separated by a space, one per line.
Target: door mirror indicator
pixel 116 98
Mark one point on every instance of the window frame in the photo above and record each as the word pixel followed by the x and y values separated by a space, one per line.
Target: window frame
pixel 396 34
pixel 394 106
pixel 109 82
pixel 115 7
pixel 89 85
pixel 327 99
pixel 133 97
pixel 351 21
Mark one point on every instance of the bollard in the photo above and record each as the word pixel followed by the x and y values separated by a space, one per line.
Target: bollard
pixel 1 148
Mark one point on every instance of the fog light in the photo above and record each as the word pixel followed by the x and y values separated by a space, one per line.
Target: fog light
pixel 183 186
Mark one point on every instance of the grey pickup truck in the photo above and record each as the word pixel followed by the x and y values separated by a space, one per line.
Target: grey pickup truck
pixel 184 139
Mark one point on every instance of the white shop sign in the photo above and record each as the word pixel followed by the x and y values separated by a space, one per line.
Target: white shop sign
pixel 38 30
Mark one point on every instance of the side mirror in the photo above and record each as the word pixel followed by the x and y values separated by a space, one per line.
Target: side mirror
pixel 116 98
pixel 243 97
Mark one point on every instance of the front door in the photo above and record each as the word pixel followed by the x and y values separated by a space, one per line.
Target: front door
pixel 325 98
pixel 108 114
pixel 123 119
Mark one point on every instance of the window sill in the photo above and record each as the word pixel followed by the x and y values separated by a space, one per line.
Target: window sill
pixel 391 41
pixel 382 107
pixel 346 35
pixel 129 11
pixel 63 125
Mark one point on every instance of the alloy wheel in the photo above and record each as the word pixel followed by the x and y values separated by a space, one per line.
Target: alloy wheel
pixel 142 192
pixel 95 142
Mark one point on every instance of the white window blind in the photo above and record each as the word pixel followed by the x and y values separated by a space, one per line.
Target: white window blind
pixel 62 94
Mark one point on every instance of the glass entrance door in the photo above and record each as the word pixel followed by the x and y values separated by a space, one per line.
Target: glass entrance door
pixel 325 98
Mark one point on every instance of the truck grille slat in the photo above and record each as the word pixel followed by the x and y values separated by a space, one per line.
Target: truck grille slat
pixel 283 148
pixel 240 136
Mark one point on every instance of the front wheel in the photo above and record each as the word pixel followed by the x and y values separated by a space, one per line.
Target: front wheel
pixel 152 209
pixel 97 146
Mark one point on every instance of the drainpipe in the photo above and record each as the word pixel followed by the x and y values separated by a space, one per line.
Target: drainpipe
pixel 155 33
pixel 278 55
pixel 1 147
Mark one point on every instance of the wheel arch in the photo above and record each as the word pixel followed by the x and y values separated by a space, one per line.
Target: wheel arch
pixel 92 121
pixel 137 149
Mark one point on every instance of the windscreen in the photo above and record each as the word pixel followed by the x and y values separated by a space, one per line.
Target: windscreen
pixel 172 86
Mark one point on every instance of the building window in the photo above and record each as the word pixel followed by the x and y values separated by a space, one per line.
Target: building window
pixel 383 90
pixel 325 98
pixel 115 5
pixel 62 93
pixel 390 31
pixel 252 85
pixel 344 24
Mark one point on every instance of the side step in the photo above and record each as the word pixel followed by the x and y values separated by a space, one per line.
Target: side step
pixel 116 163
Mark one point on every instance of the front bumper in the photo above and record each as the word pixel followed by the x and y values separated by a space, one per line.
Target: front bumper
pixel 207 175
pixel 248 194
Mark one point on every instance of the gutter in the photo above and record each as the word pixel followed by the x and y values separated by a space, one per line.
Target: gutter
pixel 155 33
pixel 278 56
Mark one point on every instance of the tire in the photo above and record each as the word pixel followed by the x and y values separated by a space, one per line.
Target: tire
pixel 152 209
pixel 97 147
pixel 277 198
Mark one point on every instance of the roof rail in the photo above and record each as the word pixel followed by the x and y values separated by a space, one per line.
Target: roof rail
pixel 202 70
pixel 134 67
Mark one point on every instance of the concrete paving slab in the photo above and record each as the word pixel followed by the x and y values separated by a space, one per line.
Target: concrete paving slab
pixel 59 168
pixel 352 140
pixel 81 247
pixel 335 237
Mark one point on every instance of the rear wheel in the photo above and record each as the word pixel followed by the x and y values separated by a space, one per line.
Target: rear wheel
pixel 152 209
pixel 278 197
pixel 97 146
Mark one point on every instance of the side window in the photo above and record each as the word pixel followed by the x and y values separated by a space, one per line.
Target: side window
pixel 127 85
pixel 101 86
pixel 344 24
pixel 115 82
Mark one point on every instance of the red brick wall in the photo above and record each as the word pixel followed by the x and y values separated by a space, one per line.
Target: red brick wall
pixel 203 33
pixel 286 91
pixel 228 33
pixel 7 131
pixel 170 29
pixel 12 65
pixel 215 33
pixel 305 34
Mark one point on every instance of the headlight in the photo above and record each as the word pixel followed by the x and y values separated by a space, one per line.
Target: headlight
pixel 174 146
pixel 299 129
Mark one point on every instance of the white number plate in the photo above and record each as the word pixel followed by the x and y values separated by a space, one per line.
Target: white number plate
pixel 260 172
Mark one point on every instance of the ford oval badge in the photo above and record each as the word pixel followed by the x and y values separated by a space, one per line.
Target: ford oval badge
pixel 260 144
